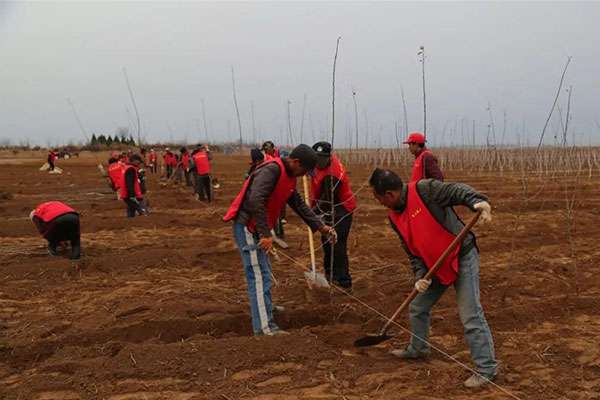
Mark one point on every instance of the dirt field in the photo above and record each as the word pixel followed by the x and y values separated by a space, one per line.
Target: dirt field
pixel 157 306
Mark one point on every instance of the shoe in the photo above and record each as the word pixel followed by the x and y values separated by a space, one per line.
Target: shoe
pixel 52 249
pixel 407 354
pixel 283 221
pixel 478 380
pixel 277 332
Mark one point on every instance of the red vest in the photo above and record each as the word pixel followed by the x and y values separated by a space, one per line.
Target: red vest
pixel 185 160
pixel 152 157
pixel 425 237
pixel 136 184
pixel 272 157
pixel 52 209
pixel 337 170
pixel 202 163
pixel 284 188
pixel 418 170
pixel 114 172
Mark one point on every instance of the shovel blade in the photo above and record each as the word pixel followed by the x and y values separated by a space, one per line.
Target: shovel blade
pixel 316 279
pixel 371 340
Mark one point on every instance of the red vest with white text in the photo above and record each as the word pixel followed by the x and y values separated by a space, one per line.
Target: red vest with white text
pixel 284 188
pixel 202 163
pixel 418 170
pixel 136 184
pixel 337 170
pixel 52 209
pixel 425 237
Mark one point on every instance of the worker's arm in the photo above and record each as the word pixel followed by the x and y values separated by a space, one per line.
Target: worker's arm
pixel 432 169
pixel 130 182
pixel 263 184
pixel 417 264
pixel 450 194
pixel 308 216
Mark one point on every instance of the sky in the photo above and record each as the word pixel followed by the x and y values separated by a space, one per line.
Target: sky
pixel 498 62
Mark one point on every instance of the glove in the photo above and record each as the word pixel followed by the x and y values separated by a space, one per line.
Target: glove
pixel 422 285
pixel 329 232
pixel 266 243
pixel 486 211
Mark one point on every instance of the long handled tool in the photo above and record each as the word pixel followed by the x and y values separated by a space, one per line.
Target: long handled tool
pixel 371 340
pixel 313 277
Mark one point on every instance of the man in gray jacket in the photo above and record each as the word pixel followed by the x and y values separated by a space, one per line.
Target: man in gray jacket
pixel 421 213
pixel 254 212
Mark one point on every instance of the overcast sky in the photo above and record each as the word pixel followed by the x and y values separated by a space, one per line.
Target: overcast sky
pixel 177 55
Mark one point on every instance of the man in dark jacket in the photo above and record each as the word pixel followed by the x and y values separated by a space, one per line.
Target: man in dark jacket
pixel 57 223
pixel 422 215
pixel 131 189
pixel 255 211
pixel 330 173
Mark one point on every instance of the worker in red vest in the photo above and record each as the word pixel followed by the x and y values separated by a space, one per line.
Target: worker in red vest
pixel 330 174
pixel 203 186
pixel 58 223
pixel 255 211
pixel 153 161
pixel 170 162
pixel 184 160
pixel 130 188
pixel 269 150
pixel 115 168
pixel 425 165
pixel 421 213
pixel 51 158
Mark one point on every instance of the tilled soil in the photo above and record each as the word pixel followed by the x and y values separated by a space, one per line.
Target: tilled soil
pixel 157 306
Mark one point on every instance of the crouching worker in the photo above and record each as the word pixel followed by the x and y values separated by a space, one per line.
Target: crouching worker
pixel 57 222
pixel 421 214
pixel 130 188
pixel 255 211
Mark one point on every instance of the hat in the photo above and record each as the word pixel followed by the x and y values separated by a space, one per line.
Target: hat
pixel 256 155
pixel 306 155
pixel 322 148
pixel 415 137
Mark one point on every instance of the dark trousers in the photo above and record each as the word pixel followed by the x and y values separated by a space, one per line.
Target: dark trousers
pixel 203 187
pixel 51 165
pixel 169 171
pixel 188 177
pixel 341 265
pixel 134 206
pixel 64 228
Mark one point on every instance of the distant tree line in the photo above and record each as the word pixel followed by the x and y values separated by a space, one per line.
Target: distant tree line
pixel 121 136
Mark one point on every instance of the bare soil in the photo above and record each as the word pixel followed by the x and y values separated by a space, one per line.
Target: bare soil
pixel 157 306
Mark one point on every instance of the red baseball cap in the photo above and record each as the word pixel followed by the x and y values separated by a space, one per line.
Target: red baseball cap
pixel 415 137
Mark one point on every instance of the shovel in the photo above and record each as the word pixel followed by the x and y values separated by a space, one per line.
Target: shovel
pixel 313 277
pixel 371 340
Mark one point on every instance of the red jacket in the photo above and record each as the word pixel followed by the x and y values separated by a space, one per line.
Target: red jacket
pixel 284 188
pixel 52 209
pixel 337 170
pixel 425 237
pixel 185 160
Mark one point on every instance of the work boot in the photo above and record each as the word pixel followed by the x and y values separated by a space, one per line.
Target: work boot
pixel 478 380
pixel 52 249
pixel 278 309
pixel 408 354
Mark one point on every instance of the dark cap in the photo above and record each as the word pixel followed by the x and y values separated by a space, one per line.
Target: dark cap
pixel 322 148
pixel 306 155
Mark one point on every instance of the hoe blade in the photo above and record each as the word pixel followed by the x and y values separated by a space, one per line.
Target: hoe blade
pixel 371 340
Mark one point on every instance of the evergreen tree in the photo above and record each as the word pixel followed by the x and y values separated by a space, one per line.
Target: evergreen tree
pixel 94 140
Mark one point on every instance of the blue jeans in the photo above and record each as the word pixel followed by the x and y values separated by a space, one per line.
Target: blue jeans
pixel 476 329
pixel 258 277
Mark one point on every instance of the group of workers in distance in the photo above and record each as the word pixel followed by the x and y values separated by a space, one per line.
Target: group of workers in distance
pixel 420 212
